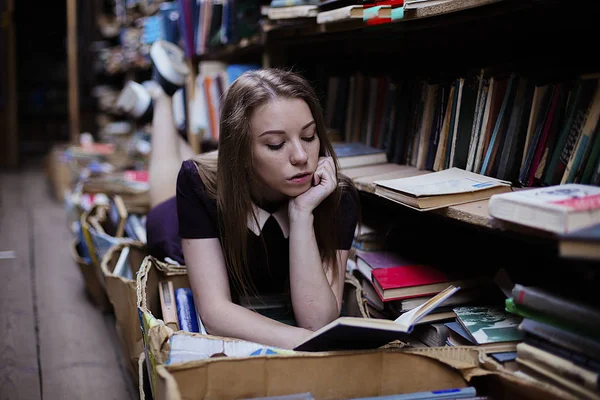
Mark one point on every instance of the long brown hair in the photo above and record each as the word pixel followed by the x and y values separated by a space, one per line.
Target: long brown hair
pixel 230 179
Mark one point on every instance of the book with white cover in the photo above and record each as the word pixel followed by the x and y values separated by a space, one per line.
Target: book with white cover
pixel 441 189
pixel 558 208
pixel 340 14
pixel 305 11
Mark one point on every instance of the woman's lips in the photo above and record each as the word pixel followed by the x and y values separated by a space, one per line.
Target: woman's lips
pixel 301 178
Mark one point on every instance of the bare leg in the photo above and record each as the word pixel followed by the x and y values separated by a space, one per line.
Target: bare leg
pixel 165 157
pixel 185 150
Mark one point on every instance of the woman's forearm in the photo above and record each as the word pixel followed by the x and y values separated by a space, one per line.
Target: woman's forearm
pixel 232 320
pixel 314 303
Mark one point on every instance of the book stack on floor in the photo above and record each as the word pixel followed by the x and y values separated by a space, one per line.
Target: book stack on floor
pixel 561 344
pixel 394 286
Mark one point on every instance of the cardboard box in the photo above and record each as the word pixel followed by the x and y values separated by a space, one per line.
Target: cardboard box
pixel 155 334
pixel 93 286
pixel 333 375
pixel 342 375
pixel 122 293
pixel 59 171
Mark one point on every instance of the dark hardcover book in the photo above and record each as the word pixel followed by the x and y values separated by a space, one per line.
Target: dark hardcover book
pixel 537 133
pixel 339 117
pixel 504 356
pixel 515 136
pixel 492 147
pixel 186 310
pixel 577 358
pixel 436 128
pixel 466 118
pixel 414 121
pixel 550 124
pixel 562 338
pixel 387 117
pixel 557 124
pixel 593 159
pixel 498 135
pixel 455 108
pixel 403 108
pixel 583 95
pixel 572 312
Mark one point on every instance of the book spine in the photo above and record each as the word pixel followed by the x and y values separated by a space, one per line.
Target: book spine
pixel 558 365
pixel 167 304
pixel 561 337
pixel 556 307
pixel 186 310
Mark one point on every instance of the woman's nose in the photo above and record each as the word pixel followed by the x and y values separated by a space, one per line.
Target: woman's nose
pixel 299 155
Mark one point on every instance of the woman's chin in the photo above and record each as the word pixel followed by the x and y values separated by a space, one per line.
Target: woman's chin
pixel 297 190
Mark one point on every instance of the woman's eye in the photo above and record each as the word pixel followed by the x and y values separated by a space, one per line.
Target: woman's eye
pixel 275 146
pixel 310 138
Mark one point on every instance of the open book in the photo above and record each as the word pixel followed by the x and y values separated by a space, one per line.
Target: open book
pixel 354 333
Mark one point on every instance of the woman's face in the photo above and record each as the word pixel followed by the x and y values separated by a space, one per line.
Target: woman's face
pixel 285 148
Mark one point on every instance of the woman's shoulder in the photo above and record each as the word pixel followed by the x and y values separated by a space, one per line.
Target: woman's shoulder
pixel 189 180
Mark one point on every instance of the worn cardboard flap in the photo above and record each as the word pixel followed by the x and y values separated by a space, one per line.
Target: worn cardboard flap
pixel 122 294
pixel 326 375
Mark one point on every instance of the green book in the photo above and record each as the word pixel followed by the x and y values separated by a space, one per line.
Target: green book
pixel 525 312
pixel 592 160
pixel 485 324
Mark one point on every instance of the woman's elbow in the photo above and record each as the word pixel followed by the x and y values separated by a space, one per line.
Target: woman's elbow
pixel 211 316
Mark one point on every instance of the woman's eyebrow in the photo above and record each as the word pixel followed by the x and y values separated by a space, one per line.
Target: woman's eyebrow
pixel 307 125
pixel 272 132
pixel 280 132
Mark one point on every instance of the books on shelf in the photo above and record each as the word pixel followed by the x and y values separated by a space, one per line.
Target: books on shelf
pixel 353 333
pixel 559 208
pixel 358 154
pixel 354 11
pixel 441 189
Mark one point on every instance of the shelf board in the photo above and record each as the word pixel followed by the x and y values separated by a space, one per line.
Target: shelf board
pixel 247 46
pixel 454 12
pixel 474 213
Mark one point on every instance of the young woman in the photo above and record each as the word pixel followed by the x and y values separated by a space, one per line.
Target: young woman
pixel 269 214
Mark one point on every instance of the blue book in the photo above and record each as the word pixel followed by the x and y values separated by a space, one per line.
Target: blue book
pixel 186 310
pixel 454 393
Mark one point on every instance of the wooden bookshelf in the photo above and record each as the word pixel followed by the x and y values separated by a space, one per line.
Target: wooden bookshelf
pixel 473 213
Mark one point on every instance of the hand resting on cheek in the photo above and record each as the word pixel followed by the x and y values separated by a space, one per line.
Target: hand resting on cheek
pixel 324 183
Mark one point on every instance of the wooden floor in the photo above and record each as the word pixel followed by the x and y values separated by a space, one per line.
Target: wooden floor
pixel 53 343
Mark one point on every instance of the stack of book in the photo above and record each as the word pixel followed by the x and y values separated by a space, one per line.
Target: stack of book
pixel 561 343
pixel 393 286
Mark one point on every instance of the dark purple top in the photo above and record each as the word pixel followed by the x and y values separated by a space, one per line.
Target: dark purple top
pixel 193 215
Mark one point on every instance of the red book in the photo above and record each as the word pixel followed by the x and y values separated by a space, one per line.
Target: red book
pixel 408 281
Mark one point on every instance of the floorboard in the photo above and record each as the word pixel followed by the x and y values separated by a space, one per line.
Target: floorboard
pixel 75 352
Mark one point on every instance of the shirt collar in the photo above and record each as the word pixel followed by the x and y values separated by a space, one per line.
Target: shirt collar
pixel 281 216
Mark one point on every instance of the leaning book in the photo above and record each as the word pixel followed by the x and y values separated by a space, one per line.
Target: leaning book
pixel 441 189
